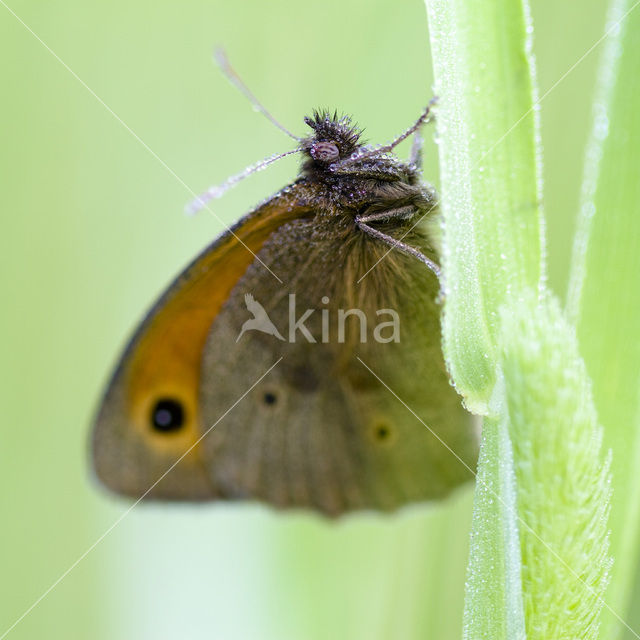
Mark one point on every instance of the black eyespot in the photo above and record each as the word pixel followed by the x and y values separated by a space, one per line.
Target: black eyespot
pixel 382 432
pixel 270 398
pixel 167 415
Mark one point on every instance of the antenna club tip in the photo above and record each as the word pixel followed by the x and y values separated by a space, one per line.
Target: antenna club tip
pixel 220 55
pixel 193 207
pixel 200 202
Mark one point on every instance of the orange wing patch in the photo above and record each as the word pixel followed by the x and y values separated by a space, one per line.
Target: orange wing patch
pixel 164 358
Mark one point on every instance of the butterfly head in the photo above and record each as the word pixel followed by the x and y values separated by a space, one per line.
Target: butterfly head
pixel 334 138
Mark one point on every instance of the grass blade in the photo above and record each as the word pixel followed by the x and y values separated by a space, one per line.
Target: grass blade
pixel 604 296
pixel 489 178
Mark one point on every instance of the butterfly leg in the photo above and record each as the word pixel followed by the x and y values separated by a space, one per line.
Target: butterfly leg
pixel 400 212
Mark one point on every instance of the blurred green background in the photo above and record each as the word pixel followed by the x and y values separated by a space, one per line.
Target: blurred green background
pixel 93 230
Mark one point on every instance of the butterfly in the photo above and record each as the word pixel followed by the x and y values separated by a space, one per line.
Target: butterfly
pixel 297 360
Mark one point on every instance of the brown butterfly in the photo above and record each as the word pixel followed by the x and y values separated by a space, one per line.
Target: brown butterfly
pixel 297 360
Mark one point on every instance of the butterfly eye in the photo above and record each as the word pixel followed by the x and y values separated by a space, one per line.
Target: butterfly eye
pixel 167 415
pixel 324 151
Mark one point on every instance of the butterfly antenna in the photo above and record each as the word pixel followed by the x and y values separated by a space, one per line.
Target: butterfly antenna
pixel 424 116
pixel 368 151
pixel 200 202
pixel 226 68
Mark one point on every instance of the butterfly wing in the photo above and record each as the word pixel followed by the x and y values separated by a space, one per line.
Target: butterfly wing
pixel 319 429
pixel 149 420
pixel 337 424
